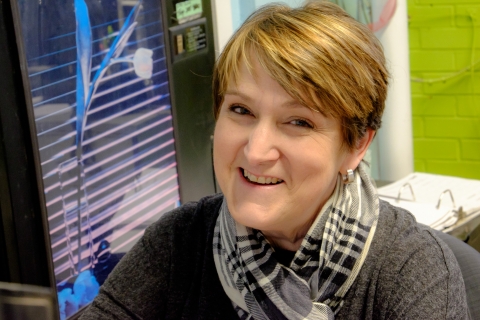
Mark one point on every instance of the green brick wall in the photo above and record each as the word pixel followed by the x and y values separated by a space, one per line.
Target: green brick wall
pixel 444 39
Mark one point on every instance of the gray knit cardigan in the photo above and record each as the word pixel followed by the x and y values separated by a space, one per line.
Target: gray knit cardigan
pixel 409 273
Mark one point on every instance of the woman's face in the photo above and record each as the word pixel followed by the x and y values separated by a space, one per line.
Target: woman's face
pixel 276 160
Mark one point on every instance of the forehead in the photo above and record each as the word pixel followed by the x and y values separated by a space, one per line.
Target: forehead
pixel 253 82
pixel 253 65
pixel 249 70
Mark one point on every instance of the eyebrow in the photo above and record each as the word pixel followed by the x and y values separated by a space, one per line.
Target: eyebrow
pixel 290 103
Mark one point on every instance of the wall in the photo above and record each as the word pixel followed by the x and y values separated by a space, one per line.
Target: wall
pixel 228 15
pixel 445 102
pixel 241 9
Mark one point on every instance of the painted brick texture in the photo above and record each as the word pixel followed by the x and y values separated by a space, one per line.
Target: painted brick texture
pixel 445 39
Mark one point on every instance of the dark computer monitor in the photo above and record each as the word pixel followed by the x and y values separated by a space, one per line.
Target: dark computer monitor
pixel 120 133
pixel 25 302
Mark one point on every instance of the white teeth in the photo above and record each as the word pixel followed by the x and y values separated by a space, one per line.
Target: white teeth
pixel 260 180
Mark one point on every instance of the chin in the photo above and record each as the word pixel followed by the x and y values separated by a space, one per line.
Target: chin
pixel 253 215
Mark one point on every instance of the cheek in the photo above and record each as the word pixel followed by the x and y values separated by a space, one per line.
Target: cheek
pixel 218 146
pixel 222 147
pixel 316 162
pixel 219 165
pixel 227 139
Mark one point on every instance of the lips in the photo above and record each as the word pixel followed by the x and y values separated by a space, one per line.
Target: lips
pixel 260 179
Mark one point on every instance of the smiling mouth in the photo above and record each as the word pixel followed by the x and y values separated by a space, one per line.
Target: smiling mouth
pixel 260 179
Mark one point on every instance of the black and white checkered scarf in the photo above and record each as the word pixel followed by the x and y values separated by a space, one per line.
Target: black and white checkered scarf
pixel 322 270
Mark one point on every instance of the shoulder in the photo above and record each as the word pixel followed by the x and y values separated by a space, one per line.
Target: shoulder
pixel 408 246
pixel 400 237
pixel 409 273
pixel 166 270
pixel 190 217
pixel 183 237
pixel 417 273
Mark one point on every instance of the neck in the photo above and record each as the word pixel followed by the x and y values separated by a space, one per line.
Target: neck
pixel 289 239
pixel 279 240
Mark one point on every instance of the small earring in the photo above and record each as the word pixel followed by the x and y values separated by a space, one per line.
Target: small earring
pixel 349 177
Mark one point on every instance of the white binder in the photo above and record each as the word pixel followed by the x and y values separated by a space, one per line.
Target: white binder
pixel 446 203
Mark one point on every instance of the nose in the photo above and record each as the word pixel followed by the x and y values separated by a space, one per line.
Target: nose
pixel 262 144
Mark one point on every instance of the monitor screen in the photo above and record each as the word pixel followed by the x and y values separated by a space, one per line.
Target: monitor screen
pixel 100 93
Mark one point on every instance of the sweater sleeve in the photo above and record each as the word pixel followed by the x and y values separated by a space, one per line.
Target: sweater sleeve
pixel 138 286
pixel 421 279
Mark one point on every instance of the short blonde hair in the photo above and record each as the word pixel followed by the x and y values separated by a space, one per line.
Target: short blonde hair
pixel 319 55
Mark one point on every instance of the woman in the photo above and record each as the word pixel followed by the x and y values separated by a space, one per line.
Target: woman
pixel 299 232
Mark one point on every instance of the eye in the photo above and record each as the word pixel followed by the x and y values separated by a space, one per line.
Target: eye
pixel 239 109
pixel 301 123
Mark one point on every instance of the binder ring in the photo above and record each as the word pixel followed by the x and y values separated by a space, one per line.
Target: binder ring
pixel 441 197
pixel 401 189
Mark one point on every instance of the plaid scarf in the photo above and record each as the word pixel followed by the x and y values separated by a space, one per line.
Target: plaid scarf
pixel 323 269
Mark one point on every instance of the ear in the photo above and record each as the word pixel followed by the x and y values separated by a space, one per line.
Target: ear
pixel 354 156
